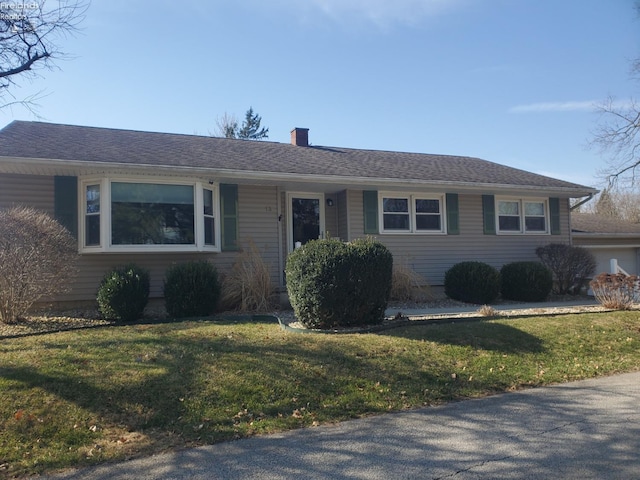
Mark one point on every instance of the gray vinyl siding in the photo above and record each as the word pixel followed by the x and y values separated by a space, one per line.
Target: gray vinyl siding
pixel 432 255
pixel 258 223
pixel 257 216
pixel 330 218
pixel 343 215
pixel 29 190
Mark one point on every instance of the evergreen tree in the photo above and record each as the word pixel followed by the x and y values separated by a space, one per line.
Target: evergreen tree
pixel 228 127
pixel 251 127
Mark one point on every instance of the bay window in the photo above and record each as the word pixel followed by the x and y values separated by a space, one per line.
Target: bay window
pixel 122 215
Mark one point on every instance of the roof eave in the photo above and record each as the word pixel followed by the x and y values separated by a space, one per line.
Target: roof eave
pixel 39 166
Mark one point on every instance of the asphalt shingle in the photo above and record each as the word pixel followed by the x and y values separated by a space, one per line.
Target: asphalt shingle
pixel 39 140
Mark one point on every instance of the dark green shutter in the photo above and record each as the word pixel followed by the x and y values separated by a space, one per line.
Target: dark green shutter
pixel 453 214
pixel 65 202
pixel 489 214
pixel 229 213
pixel 554 211
pixel 370 200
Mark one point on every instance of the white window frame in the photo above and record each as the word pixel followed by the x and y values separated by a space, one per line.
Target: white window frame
pixel 105 217
pixel 522 201
pixel 413 228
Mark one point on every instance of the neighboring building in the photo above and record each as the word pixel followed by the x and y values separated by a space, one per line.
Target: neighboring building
pixel 608 238
pixel 158 198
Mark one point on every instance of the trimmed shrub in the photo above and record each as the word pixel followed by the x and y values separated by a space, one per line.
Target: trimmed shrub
pixel 191 289
pixel 571 266
pixel 472 282
pixel 334 284
pixel 124 293
pixel 616 291
pixel 37 260
pixel 526 281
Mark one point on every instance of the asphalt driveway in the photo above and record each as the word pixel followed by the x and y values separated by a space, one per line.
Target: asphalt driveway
pixel 583 430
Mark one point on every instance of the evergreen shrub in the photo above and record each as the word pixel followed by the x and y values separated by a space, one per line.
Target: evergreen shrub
pixel 526 281
pixel 335 284
pixel 472 282
pixel 124 293
pixel 191 289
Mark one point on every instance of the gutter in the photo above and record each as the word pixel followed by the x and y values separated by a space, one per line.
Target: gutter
pixel 70 166
pixel 579 204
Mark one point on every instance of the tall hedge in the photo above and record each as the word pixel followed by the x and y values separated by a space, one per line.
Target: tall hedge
pixel 334 284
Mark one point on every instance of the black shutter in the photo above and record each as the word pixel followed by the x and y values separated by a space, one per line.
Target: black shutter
pixel 65 202
pixel 453 214
pixel 370 201
pixel 229 220
pixel 489 214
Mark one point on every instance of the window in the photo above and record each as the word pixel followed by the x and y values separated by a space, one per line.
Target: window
pixel 152 214
pixel 428 215
pixel 395 214
pixel 92 215
pixel 509 216
pixel 209 219
pixel 522 216
pixel 411 214
pixel 121 215
pixel 535 217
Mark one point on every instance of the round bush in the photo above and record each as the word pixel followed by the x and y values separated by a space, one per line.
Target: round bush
pixel 472 282
pixel 334 284
pixel 191 289
pixel 526 281
pixel 124 293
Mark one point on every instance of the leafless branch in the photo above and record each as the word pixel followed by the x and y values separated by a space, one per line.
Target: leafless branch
pixel 29 36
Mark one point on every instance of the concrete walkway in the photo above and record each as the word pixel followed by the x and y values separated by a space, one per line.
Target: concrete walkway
pixel 582 430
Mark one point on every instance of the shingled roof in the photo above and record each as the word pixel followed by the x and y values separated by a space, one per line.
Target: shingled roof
pixel 593 224
pixel 110 147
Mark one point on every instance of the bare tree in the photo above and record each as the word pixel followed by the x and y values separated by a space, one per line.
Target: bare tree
pixel 618 135
pixel 29 36
pixel 228 127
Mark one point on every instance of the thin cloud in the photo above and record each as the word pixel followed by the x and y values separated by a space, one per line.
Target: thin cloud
pixel 544 107
pixel 384 12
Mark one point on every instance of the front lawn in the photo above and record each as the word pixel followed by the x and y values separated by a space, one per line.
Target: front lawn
pixel 75 398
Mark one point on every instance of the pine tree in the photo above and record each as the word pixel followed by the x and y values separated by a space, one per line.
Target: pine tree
pixel 251 127
pixel 227 127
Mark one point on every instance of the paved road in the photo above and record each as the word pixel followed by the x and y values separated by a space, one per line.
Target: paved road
pixel 582 430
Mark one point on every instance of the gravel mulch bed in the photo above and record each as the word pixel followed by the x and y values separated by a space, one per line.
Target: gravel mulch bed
pixel 50 320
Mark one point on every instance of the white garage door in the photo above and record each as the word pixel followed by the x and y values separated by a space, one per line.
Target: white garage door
pixel 627 259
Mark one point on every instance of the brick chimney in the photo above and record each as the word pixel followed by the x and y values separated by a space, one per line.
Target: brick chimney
pixel 300 137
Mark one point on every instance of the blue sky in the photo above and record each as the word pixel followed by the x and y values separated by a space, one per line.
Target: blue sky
pixel 511 81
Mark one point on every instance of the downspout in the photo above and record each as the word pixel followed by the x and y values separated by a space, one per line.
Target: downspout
pixel 578 205
pixel 571 209
pixel 280 240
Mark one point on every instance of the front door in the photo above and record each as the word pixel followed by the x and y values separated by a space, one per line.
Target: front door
pixel 306 218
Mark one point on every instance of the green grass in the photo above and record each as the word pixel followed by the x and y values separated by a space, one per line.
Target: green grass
pixel 75 398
